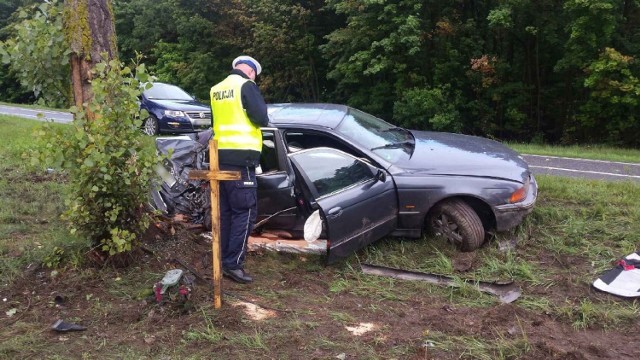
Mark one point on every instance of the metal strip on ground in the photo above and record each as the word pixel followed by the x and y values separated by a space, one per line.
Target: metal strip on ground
pixel 507 292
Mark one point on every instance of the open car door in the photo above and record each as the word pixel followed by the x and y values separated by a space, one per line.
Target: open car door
pixel 276 201
pixel 358 201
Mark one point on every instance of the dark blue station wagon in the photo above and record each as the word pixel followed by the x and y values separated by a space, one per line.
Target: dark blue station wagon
pixel 172 111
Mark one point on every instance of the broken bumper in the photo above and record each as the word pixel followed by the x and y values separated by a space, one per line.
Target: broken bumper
pixel 509 216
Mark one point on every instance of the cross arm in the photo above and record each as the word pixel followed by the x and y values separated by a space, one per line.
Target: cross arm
pixel 211 175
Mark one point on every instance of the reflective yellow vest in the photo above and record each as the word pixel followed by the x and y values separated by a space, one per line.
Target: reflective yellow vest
pixel 232 128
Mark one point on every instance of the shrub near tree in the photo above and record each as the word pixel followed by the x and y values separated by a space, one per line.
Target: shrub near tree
pixel 109 169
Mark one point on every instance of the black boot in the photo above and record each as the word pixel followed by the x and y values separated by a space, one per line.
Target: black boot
pixel 237 275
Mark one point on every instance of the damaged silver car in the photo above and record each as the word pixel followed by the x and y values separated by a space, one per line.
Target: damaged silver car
pixel 366 179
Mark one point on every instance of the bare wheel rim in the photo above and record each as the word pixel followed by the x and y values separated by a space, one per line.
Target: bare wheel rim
pixel 447 228
pixel 150 126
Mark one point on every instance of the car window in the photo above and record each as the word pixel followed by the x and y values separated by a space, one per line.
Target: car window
pixel 269 154
pixel 330 170
pixel 166 92
pixel 297 140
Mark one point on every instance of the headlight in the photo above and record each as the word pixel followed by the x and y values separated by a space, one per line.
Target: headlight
pixel 173 113
pixel 521 193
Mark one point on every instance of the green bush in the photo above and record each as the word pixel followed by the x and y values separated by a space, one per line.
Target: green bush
pixel 109 168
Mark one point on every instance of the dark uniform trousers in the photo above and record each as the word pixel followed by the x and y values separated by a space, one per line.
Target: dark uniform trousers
pixel 238 211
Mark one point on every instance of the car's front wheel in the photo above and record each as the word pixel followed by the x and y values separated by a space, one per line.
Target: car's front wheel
pixel 151 126
pixel 457 222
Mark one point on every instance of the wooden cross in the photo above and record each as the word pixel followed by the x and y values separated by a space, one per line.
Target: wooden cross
pixel 214 175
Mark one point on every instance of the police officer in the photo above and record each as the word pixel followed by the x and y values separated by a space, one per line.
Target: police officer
pixel 238 110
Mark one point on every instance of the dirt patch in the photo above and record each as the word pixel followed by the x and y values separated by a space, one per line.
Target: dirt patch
pixel 464 261
pixel 46 176
pixel 295 309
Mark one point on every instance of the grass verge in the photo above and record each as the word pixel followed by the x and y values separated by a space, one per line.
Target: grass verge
pixel 32 201
pixel 575 232
pixel 594 152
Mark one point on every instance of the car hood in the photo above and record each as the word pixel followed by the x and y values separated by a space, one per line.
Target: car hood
pixel 439 153
pixel 183 105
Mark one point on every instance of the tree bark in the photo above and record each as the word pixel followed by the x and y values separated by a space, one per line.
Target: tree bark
pixel 90 30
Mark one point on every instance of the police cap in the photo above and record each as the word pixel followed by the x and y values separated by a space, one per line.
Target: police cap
pixel 244 59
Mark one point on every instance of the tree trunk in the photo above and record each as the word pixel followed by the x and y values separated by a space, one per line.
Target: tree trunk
pixel 90 29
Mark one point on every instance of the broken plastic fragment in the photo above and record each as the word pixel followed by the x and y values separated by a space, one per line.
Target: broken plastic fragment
pixel 170 278
pixel 61 326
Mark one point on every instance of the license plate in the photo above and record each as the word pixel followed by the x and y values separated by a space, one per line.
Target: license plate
pixel 201 122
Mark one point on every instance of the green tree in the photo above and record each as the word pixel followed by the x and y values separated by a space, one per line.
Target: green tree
pixel 590 27
pixel 10 88
pixel 38 55
pixel 285 38
pixel 198 40
pixel 510 69
pixel 142 24
pixel 432 109
pixel 380 50
pixel 614 100
pixel 7 9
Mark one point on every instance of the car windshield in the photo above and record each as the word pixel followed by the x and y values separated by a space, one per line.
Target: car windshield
pixel 166 92
pixel 376 134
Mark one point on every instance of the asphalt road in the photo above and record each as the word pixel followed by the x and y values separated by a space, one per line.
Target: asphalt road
pixel 44 115
pixel 550 165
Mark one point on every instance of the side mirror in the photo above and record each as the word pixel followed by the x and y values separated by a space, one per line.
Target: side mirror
pixel 380 176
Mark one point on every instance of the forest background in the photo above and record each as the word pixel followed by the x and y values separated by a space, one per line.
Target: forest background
pixel 541 71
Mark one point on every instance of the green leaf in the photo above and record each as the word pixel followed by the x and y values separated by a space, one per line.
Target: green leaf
pixel 100 67
pixel 143 77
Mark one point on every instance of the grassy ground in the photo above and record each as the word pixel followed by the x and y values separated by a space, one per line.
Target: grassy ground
pixel 594 152
pixel 575 232
pixel 32 201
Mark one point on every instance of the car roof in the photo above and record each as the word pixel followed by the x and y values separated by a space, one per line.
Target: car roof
pixel 317 114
